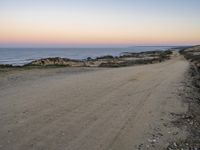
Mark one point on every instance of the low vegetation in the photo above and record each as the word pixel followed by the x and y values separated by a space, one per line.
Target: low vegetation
pixel 193 55
pixel 126 59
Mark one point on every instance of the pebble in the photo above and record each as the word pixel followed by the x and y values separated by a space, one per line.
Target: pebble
pixel 152 140
pixel 175 144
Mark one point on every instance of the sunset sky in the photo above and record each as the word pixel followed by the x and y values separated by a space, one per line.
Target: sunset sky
pixel 98 23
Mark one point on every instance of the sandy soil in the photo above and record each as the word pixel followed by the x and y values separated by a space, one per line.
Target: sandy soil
pixel 88 109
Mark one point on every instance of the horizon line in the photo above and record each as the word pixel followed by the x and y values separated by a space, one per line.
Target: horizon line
pixel 44 47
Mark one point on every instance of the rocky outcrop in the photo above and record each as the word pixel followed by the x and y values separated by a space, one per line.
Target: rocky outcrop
pixel 57 62
pixel 128 59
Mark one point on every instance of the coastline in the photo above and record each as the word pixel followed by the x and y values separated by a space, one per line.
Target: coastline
pixel 21 56
pixel 127 59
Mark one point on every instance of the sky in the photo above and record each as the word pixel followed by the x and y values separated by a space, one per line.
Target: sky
pixel 98 23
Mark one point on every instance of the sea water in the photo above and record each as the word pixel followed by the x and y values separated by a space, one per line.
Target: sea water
pixel 21 56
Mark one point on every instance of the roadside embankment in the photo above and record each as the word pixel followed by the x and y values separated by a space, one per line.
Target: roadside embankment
pixel 191 95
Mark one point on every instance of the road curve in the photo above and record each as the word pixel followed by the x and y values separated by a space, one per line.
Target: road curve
pixel 109 109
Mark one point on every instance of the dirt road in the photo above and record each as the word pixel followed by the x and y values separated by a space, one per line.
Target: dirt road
pixel 109 109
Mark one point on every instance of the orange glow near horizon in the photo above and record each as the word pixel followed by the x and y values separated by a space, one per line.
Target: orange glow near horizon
pixel 77 26
pixel 99 35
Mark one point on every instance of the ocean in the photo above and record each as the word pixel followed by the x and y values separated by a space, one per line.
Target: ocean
pixel 21 56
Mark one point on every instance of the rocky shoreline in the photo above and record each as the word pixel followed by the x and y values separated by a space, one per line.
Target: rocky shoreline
pixel 127 59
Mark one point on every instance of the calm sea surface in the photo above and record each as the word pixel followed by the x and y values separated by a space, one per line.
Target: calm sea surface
pixel 21 56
